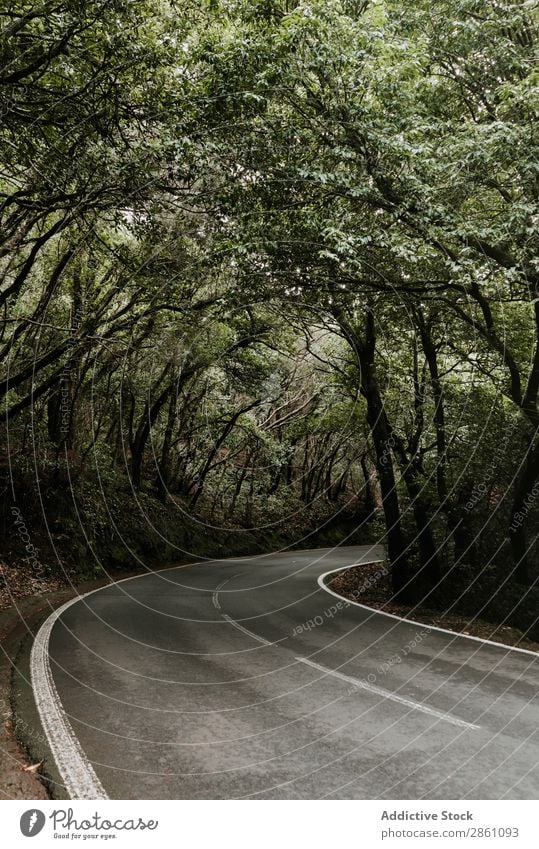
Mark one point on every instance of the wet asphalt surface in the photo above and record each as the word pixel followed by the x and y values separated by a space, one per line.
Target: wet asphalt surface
pixel 191 683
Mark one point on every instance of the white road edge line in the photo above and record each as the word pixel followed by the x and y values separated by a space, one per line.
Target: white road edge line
pixel 324 586
pixel 79 777
pixel 387 694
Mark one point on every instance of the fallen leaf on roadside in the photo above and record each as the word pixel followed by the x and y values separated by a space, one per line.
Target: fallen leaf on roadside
pixel 32 767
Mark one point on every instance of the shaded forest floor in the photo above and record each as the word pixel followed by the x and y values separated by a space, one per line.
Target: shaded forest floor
pixel 478 612
pixel 65 531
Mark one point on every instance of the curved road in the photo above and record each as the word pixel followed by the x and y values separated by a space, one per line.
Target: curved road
pixel 241 678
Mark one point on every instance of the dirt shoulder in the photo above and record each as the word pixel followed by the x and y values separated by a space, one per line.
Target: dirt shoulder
pixel 369 585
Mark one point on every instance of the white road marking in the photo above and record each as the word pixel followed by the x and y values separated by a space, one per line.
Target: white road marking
pixel 324 586
pixel 387 694
pixel 76 770
pixel 77 773
pixel 215 596
pixel 246 631
pixel 233 622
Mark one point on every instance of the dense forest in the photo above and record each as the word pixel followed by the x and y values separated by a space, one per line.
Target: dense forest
pixel 271 267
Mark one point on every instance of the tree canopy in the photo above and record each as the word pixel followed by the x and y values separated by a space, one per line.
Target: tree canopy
pixel 266 259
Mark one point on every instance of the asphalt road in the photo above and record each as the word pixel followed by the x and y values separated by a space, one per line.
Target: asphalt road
pixel 240 679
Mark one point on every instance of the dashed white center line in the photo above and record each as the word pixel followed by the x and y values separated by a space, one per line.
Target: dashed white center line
pixel 246 631
pixel 387 694
pixel 217 605
pixel 215 596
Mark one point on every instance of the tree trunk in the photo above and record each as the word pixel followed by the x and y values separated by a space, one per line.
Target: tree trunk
pixel 525 496
pixel 370 500
pixel 208 465
pixel 147 421
pixel 163 476
pixel 431 355
pixel 381 437
pixel 364 350
pixel 428 554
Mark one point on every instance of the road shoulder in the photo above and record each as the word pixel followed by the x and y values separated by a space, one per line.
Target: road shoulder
pixel 367 585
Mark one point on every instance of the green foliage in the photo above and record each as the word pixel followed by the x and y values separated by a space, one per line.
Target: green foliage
pixel 259 257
